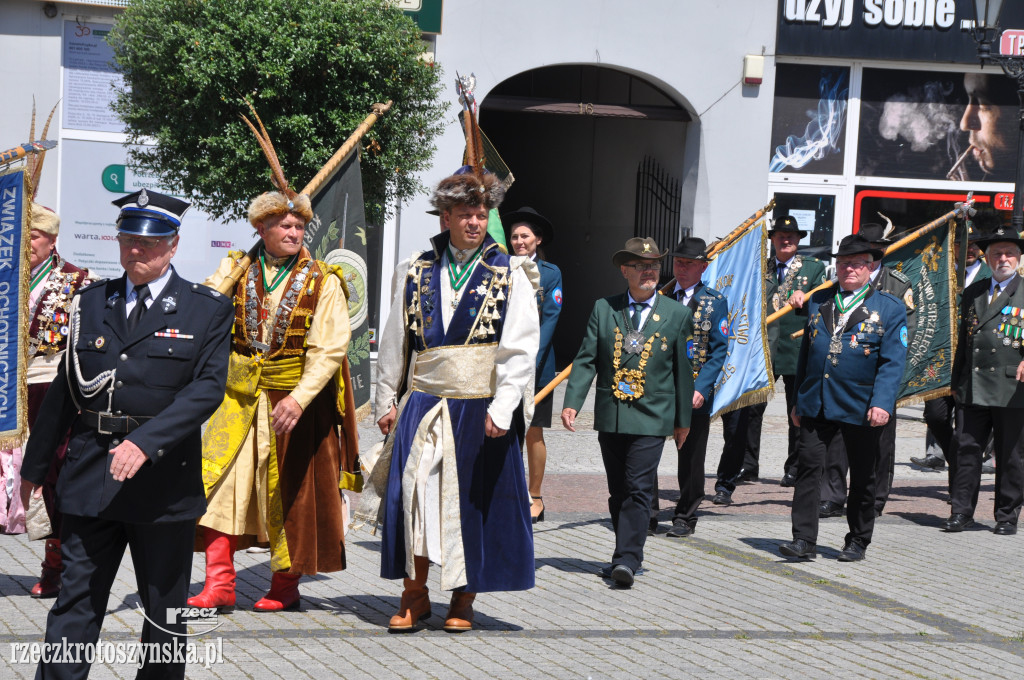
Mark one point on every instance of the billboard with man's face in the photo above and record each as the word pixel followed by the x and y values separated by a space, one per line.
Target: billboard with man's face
pixel 938 125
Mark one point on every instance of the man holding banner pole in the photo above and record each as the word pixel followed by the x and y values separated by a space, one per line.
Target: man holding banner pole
pixel 710 344
pixel 851 362
pixel 833 484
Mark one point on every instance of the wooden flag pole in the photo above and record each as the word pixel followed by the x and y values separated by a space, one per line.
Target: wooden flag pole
pixel 718 245
pixel 314 185
pixel 960 210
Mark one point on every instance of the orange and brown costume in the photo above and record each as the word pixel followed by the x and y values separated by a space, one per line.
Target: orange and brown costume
pixel 288 341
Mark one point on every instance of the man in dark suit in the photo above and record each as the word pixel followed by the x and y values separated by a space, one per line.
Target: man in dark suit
pixel 988 384
pixel 710 344
pixel 147 365
pixel 788 277
pixel 636 345
pixel 833 483
pixel 852 358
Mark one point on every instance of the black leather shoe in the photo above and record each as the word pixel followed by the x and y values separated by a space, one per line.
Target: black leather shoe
pixel 830 509
pixel 622 575
pixel 788 479
pixel 988 469
pixel 1005 529
pixel 722 498
pixel 957 522
pixel 929 462
pixel 652 526
pixel 745 476
pixel 853 552
pixel 680 529
pixel 798 548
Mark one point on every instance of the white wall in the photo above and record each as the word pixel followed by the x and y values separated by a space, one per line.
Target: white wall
pixel 692 49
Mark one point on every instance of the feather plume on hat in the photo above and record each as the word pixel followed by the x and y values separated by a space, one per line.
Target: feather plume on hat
pixel 284 200
pixel 35 161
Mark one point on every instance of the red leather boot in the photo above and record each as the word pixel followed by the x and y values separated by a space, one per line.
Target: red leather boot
pixel 49 582
pixel 219 590
pixel 284 593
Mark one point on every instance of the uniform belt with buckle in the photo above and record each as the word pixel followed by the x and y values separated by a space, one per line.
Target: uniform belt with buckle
pixel 106 422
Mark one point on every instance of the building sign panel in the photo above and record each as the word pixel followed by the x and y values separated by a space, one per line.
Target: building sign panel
pixel 910 30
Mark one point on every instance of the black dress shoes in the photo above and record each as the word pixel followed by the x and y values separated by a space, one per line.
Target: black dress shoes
pixel 957 522
pixel 622 575
pixel 1005 529
pixel 722 498
pixel 830 509
pixel 652 526
pixel 929 462
pixel 788 480
pixel 987 469
pixel 798 548
pixel 853 552
pixel 680 529
pixel 744 476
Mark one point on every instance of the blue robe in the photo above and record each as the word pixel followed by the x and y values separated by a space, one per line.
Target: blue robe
pixel 497 534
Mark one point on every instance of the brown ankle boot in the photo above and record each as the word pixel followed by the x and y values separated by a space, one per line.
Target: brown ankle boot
pixel 49 581
pixel 460 612
pixel 415 604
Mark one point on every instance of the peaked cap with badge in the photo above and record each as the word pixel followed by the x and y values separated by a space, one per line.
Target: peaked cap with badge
pixel 149 213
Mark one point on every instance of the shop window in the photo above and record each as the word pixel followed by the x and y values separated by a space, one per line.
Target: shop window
pixel 912 208
pixel 816 214
pixel 809 120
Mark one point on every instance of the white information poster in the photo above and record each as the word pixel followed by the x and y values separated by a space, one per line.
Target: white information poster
pixel 805 218
pixel 95 173
pixel 89 78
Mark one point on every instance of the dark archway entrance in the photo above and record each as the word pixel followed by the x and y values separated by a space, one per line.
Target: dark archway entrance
pixel 582 143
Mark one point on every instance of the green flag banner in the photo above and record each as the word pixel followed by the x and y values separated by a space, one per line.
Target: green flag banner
pixel 928 262
pixel 337 235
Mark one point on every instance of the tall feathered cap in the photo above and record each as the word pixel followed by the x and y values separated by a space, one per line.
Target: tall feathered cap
pixel 284 200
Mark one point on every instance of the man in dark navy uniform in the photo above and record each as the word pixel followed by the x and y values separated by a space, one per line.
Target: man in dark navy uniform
pixel 710 344
pixel 851 362
pixel 988 384
pixel 833 483
pixel 147 362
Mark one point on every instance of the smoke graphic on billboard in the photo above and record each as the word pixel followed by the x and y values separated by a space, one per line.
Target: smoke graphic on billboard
pixel 923 118
pixel 821 136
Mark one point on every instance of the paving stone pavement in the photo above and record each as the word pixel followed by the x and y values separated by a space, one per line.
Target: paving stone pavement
pixel 719 604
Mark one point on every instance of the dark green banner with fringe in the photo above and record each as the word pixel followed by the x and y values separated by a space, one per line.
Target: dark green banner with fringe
pixel 337 235
pixel 928 262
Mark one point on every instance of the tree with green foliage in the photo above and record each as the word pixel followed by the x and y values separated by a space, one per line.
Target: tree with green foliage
pixel 311 68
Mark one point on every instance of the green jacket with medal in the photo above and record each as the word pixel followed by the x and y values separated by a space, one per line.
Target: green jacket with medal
pixel 646 386
pixel 802 273
pixel 990 346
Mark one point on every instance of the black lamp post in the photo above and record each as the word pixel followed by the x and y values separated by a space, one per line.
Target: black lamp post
pixel 986 28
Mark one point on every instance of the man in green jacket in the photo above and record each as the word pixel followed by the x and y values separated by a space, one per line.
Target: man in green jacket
pixel 638 345
pixel 788 277
pixel 988 384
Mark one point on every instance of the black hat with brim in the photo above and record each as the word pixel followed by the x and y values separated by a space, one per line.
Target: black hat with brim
pixel 638 249
pixel 874 232
pixel 531 217
pixel 149 213
pixel 855 244
pixel 786 223
pixel 1001 235
pixel 691 248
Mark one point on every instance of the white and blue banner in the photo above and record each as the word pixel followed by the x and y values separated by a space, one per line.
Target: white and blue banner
pixel 737 272
pixel 13 306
